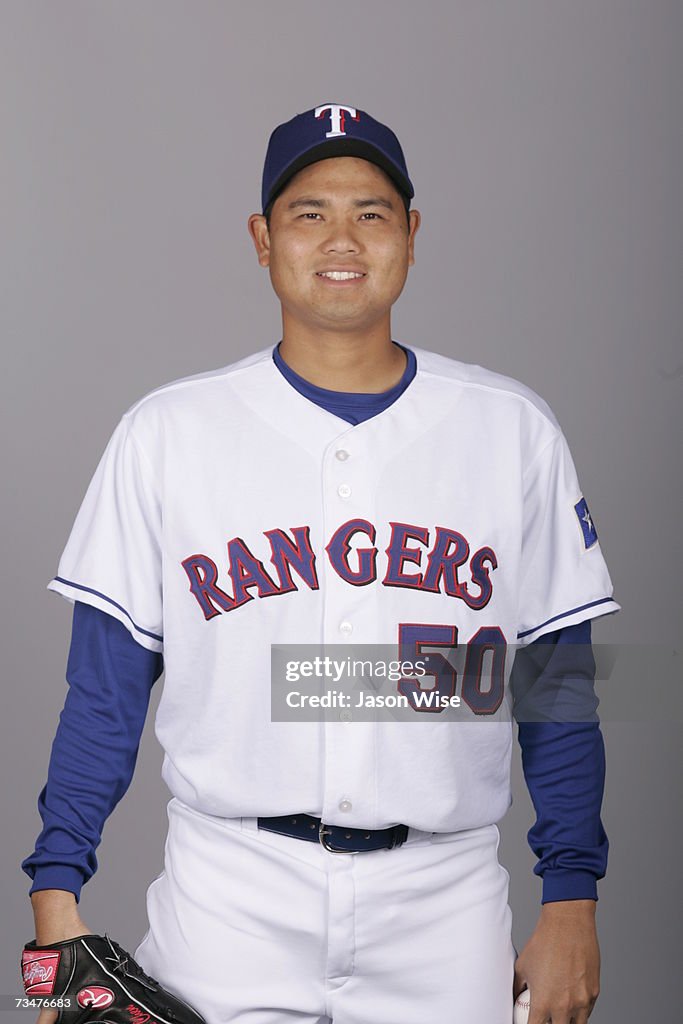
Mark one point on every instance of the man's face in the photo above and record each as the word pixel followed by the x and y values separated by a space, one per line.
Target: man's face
pixel 342 213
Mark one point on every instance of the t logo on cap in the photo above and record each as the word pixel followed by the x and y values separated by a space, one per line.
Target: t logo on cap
pixel 337 117
pixel 302 140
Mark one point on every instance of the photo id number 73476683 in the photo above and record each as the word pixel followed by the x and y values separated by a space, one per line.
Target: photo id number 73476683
pixel 42 1003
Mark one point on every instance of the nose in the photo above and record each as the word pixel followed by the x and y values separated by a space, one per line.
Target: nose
pixel 341 238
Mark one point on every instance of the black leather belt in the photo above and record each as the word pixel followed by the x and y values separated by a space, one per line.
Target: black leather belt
pixel 335 838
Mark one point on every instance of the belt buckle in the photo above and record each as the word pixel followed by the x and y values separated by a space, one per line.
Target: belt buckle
pixel 324 831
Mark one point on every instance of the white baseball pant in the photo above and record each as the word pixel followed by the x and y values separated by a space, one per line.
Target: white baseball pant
pixel 252 927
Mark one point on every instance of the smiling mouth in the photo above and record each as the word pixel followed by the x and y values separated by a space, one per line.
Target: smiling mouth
pixel 337 276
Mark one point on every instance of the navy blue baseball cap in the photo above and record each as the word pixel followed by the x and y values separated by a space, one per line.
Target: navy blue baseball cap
pixel 332 129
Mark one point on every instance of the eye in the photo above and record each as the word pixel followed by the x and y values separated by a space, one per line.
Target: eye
pixel 369 213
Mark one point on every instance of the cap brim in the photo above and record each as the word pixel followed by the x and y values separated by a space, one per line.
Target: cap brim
pixel 343 147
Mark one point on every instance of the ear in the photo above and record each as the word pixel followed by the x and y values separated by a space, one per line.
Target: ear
pixel 258 229
pixel 415 221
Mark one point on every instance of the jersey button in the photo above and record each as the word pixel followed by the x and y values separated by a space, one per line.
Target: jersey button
pixel 345 805
pixel 346 628
pixel 344 491
pixel 342 455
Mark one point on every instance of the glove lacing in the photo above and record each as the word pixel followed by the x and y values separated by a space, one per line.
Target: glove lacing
pixel 125 964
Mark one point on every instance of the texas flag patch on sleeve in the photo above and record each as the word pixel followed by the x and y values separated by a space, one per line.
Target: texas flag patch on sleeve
pixel 590 536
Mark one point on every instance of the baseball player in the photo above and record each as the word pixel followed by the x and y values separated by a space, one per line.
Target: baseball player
pixel 337 488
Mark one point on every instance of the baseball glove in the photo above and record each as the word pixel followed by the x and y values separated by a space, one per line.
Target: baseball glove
pixel 92 979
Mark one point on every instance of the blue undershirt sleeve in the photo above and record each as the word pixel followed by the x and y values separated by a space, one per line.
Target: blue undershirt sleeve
pixel 563 759
pixel 95 748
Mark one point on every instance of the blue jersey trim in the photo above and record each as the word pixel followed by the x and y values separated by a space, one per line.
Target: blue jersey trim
pixel 563 615
pixel 89 590
pixel 354 407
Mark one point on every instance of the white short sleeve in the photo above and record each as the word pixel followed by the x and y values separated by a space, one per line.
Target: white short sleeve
pixel 112 559
pixel 564 578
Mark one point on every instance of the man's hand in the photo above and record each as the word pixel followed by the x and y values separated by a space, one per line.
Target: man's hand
pixel 56 918
pixel 560 964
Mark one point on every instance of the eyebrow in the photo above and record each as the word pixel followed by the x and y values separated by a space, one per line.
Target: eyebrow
pixel 359 203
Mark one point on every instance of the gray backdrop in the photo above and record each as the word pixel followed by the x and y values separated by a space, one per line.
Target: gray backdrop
pixel 545 143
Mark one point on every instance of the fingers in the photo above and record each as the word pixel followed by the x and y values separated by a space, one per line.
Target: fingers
pixel 542 1014
pixel 520 982
pixel 581 1017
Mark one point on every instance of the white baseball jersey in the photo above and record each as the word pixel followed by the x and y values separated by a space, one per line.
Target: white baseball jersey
pixel 229 513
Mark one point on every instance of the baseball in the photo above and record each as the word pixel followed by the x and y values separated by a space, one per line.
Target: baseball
pixel 521 1010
